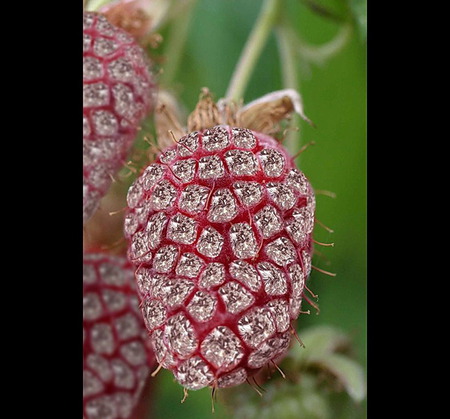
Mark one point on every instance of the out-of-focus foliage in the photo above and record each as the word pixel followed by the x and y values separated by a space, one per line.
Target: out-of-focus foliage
pixel 359 8
pixel 322 381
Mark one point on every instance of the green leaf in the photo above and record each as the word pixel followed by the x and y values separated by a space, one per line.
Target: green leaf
pixel 349 373
pixel 283 400
pixel 323 349
pixel 319 343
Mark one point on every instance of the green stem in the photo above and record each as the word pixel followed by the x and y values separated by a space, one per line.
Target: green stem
pixel 176 42
pixel 252 49
pixel 93 5
pixel 289 72
pixel 287 57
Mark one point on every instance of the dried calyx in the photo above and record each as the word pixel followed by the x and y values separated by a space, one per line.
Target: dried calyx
pixel 262 115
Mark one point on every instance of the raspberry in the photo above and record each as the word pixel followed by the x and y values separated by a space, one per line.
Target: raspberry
pixel 219 228
pixel 117 94
pixel 116 352
pixel 129 15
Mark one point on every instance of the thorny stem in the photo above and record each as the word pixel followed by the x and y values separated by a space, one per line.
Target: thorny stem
pixel 176 42
pixel 252 49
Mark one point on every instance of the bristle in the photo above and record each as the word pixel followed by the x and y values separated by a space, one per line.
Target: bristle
pixel 304 148
pixel 185 395
pixel 278 369
pixel 297 337
pixel 323 244
pixel 323 271
pixel 155 372
pixel 254 387
pixel 326 193
pixel 324 226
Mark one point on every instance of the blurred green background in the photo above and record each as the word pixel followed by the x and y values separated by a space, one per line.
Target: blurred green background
pixel 334 96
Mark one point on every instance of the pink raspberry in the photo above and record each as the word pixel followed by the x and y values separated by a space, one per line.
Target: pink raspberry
pixel 118 91
pixel 219 228
pixel 116 352
pixel 130 15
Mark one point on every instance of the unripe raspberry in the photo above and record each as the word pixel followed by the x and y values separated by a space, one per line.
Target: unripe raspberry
pixel 118 91
pixel 219 229
pixel 116 352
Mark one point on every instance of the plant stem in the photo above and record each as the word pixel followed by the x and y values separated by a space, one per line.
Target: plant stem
pixel 289 72
pixel 287 57
pixel 252 49
pixel 93 5
pixel 176 42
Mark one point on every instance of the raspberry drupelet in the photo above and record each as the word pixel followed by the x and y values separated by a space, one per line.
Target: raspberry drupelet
pixel 117 357
pixel 219 229
pixel 118 92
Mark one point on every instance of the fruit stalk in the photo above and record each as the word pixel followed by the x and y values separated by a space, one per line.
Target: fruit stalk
pixel 92 5
pixel 176 42
pixel 253 49
pixel 290 81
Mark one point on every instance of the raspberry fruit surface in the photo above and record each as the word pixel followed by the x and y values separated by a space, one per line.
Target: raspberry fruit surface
pixel 116 352
pixel 219 230
pixel 118 92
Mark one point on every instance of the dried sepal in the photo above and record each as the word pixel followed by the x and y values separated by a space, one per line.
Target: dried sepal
pixel 262 115
pixel 140 18
pixel 105 228
pixel 206 113
pixel 265 113
pixel 168 117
